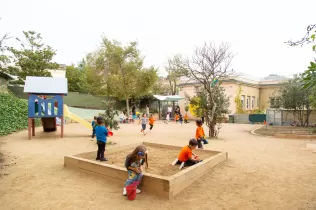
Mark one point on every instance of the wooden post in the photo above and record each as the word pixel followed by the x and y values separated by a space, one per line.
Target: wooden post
pixel 61 127
pixel 33 127
pixel 29 128
pixel 159 110
pixel 62 121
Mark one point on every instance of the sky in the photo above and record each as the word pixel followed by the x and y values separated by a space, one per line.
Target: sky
pixel 256 30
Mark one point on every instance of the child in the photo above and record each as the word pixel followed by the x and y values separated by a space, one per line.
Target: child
pixel 181 119
pixel 199 134
pixel 133 164
pixel 151 122
pixel 143 121
pixel 94 123
pixel 167 118
pixel 176 117
pixel 101 132
pixel 185 155
pixel 186 118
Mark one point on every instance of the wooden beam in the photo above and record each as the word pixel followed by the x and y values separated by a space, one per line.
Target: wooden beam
pixel 29 128
pixel 33 127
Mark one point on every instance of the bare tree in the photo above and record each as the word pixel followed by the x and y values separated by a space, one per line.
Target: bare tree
pixel 209 65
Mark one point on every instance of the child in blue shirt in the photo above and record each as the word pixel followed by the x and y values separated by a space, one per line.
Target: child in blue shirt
pixel 94 123
pixel 101 132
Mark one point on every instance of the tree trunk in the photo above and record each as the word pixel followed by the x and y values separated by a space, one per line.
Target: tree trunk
pixel 211 130
pixel 127 106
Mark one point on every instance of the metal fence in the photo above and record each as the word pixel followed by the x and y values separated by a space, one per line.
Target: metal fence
pixel 241 118
pixel 287 117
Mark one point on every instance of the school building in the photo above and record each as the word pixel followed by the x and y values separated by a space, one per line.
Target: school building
pixel 255 94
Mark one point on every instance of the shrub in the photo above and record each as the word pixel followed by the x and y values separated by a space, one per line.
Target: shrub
pixel 14 114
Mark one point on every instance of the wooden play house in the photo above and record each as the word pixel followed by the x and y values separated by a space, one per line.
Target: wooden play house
pixel 45 101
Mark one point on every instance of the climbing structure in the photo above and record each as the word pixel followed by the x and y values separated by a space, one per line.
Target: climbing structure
pixel 45 101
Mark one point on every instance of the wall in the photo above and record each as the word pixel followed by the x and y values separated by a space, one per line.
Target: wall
pixel 231 89
pixel 58 73
pixel 265 93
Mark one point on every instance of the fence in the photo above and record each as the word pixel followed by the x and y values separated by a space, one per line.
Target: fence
pixel 241 118
pixel 75 99
pixel 287 117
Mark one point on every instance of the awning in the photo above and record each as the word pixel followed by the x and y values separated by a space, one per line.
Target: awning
pixel 168 98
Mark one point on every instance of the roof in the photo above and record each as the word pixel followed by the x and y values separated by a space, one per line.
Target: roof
pixel 46 85
pixel 5 75
pixel 273 77
pixel 168 98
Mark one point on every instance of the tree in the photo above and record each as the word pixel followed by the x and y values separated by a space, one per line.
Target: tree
pixel 208 65
pixel 127 77
pixel 109 115
pixel 291 96
pixel 238 102
pixel 309 76
pixel 76 79
pixel 201 104
pixel 4 58
pixel 35 58
pixel 96 73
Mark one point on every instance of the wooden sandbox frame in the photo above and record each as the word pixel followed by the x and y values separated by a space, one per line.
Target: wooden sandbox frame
pixel 162 186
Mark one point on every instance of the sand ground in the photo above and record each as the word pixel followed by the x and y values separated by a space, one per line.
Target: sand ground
pixel 261 172
pixel 162 167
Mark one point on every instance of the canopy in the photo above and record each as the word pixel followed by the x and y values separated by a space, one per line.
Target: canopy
pixel 168 98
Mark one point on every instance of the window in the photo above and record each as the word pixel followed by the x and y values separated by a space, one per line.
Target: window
pixel 253 102
pixel 248 102
pixel 197 89
pixel 242 101
pixel 258 102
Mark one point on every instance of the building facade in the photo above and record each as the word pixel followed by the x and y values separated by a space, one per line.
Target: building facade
pixel 254 94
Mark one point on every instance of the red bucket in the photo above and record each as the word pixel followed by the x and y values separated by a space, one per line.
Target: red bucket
pixel 131 192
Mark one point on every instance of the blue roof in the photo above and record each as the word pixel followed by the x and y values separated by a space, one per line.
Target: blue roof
pixel 46 85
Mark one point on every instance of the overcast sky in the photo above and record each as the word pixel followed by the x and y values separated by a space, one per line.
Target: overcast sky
pixel 256 29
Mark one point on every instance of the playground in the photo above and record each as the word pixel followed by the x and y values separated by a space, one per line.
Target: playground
pixel 261 172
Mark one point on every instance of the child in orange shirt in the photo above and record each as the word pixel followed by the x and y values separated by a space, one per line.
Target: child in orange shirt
pixel 186 118
pixel 199 134
pixel 176 117
pixel 186 157
pixel 151 122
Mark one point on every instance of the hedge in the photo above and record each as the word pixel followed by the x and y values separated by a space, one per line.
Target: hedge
pixel 13 114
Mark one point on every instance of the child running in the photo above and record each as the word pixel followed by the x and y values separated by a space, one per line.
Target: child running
pixel 186 157
pixel 143 121
pixel 199 134
pixel 94 123
pixel 186 118
pixel 101 132
pixel 151 122
pixel 167 118
pixel 133 164
pixel 181 119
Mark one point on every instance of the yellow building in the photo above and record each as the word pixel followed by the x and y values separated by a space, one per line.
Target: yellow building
pixel 255 94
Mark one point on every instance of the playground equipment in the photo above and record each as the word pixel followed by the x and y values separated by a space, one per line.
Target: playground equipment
pixel 38 107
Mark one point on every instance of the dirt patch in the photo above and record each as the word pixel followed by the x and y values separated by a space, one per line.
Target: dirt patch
pixel 159 159
pixel 272 130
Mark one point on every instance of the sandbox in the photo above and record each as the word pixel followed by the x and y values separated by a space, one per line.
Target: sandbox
pixel 160 179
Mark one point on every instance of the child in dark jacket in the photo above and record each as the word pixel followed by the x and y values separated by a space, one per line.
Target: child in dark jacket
pixel 94 123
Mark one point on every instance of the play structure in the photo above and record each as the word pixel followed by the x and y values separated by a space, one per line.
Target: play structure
pixel 45 101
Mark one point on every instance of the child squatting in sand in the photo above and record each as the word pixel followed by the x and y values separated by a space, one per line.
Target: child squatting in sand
pixel 186 156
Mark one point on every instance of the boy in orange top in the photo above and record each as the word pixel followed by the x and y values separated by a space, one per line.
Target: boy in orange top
pixel 186 118
pixel 199 134
pixel 176 117
pixel 185 155
pixel 151 122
